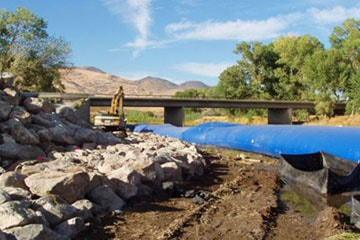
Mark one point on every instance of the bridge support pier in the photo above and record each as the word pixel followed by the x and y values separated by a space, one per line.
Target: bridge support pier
pixel 280 116
pixel 174 116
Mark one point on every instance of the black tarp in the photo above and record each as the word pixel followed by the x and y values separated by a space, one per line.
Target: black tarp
pixel 325 173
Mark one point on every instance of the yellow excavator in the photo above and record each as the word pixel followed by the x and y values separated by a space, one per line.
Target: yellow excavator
pixel 114 119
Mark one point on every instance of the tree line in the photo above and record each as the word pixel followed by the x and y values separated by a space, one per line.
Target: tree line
pixel 29 53
pixel 295 68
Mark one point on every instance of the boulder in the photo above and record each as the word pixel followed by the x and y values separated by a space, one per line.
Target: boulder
pixel 40 119
pixel 106 198
pixel 20 113
pixel 106 138
pixel 5 110
pixel 2 235
pixel 84 135
pixel 7 125
pixel 17 151
pixel 125 181
pixel 54 209
pixel 172 172
pixel 71 227
pixel 4 197
pixel 16 193
pixel 36 105
pixel 61 135
pixel 11 95
pixel 33 231
pixel 24 136
pixel 86 209
pixel 12 179
pixel 16 213
pixel 149 170
pixel 4 138
pixel 45 135
pixel 69 186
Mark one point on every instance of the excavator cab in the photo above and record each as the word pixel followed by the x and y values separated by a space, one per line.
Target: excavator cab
pixel 114 119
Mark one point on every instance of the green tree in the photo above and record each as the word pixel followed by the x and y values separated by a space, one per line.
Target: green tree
pixel 293 53
pixel 346 39
pixel 28 52
pixel 234 84
pixel 256 66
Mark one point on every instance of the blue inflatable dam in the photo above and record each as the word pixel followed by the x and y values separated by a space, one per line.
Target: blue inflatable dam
pixel 272 140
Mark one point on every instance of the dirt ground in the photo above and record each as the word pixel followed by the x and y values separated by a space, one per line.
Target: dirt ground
pixel 240 197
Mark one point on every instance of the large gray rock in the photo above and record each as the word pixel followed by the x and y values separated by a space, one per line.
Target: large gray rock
pixel 125 181
pixel 5 110
pixel 149 170
pixel 2 235
pixel 86 209
pixel 4 138
pixel 36 105
pixel 54 209
pixel 4 197
pixel 8 125
pixel 16 151
pixel 24 136
pixel 70 228
pixel 33 232
pixel 84 135
pixel 20 113
pixel 16 213
pixel 16 193
pixel 106 198
pixel 69 186
pixel 42 120
pixel 172 172
pixel 12 179
pixel 61 135
pixel 11 95
pixel 106 138
pixel 45 135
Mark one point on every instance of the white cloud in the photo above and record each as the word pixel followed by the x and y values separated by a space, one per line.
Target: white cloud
pixel 334 15
pixel 203 69
pixel 138 14
pixel 233 30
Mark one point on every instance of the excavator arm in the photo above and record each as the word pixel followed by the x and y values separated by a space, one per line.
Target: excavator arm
pixel 114 119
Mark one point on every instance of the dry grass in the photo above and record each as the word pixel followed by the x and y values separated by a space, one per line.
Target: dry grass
pixel 351 120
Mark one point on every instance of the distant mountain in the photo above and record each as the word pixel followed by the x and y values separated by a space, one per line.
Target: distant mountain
pixel 94 69
pixel 95 81
pixel 156 84
pixel 192 85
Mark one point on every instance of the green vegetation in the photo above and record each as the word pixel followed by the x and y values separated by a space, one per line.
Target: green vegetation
pixel 29 53
pixel 134 116
pixel 345 236
pixel 295 68
pixel 299 203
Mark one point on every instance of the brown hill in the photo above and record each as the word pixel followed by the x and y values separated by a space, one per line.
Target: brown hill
pixel 95 81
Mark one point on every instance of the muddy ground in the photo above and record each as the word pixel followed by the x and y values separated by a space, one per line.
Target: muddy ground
pixel 240 197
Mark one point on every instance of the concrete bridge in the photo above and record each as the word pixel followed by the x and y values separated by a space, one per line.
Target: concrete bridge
pixel 279 112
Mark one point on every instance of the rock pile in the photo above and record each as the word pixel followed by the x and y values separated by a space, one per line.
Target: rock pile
pixel 60 173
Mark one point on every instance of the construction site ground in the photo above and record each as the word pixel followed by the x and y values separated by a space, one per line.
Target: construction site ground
pixel 241 196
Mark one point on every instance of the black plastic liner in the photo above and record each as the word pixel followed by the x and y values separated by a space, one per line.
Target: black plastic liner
pixel 325 173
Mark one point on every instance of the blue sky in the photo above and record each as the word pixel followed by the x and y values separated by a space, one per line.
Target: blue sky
pixel 179 40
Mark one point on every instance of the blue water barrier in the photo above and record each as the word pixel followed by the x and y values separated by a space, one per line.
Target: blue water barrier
pixel 272 140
